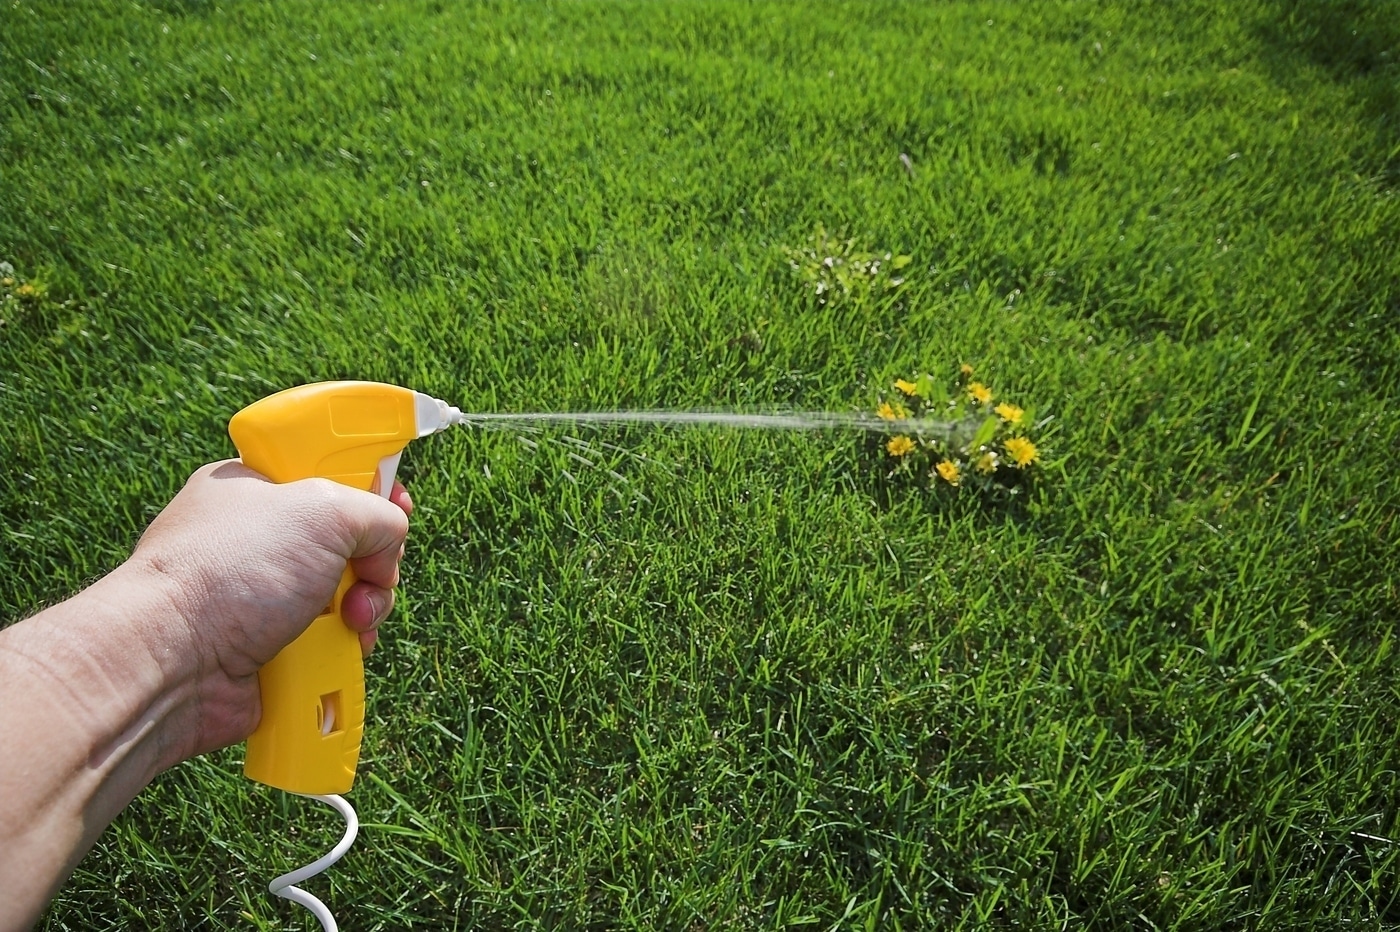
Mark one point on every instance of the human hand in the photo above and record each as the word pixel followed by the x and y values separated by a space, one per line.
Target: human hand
pixel 247 564
pixel 157 661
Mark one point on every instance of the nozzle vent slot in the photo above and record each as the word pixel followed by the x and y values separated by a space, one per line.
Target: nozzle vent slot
pixel 328 717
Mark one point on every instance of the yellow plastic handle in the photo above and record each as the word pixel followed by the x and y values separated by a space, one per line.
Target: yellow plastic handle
pixel 313 692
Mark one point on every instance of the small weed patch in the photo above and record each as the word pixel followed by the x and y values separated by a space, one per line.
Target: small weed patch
pixel 959 435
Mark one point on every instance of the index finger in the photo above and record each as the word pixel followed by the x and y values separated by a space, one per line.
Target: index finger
pixel 399 496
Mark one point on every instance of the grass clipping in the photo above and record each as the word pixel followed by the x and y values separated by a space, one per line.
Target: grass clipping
pixel 958 436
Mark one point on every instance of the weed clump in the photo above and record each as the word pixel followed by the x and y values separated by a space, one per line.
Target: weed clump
pixel 958 435
pixel 16 296
pixel 27 306
pixel 835 268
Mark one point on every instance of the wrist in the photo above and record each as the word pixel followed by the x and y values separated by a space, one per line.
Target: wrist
pixel 204 706
pixel 145 625
pixel 135 680
pixel 97 706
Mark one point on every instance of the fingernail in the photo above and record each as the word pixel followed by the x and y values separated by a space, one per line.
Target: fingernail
pixel 378 607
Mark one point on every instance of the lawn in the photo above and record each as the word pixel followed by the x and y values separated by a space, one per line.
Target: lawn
pixel 667 679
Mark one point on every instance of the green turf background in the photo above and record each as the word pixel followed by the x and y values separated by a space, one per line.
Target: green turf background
pixel 753 683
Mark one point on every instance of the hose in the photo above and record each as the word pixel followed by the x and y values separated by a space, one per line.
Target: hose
pixel 284 886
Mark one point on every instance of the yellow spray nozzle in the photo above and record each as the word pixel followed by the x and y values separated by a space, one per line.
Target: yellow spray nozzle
pixel 313 692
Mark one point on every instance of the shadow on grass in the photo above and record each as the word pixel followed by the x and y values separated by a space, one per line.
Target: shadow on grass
pixel 1357 43
pixel 185 7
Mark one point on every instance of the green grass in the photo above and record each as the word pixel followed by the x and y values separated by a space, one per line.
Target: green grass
pixel 756 684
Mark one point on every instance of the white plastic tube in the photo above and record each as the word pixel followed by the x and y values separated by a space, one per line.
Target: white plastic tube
pixel 285 886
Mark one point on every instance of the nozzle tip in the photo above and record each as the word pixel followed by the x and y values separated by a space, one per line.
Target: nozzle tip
pixel 435 415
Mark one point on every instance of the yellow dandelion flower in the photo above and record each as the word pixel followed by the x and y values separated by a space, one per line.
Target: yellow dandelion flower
pixel 965 369
pixel 987 463
pixel 891 412
pixel 7 281
pixel 1022 451
pixel 25 291
pixel 980 393
pixel 898 446
pixel 906 387
pixel 1009 413
pixel 949 470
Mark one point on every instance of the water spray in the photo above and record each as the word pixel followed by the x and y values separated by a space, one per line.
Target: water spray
pixel 313 692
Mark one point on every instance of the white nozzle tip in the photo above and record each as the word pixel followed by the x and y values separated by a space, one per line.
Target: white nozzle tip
pixel 434 415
